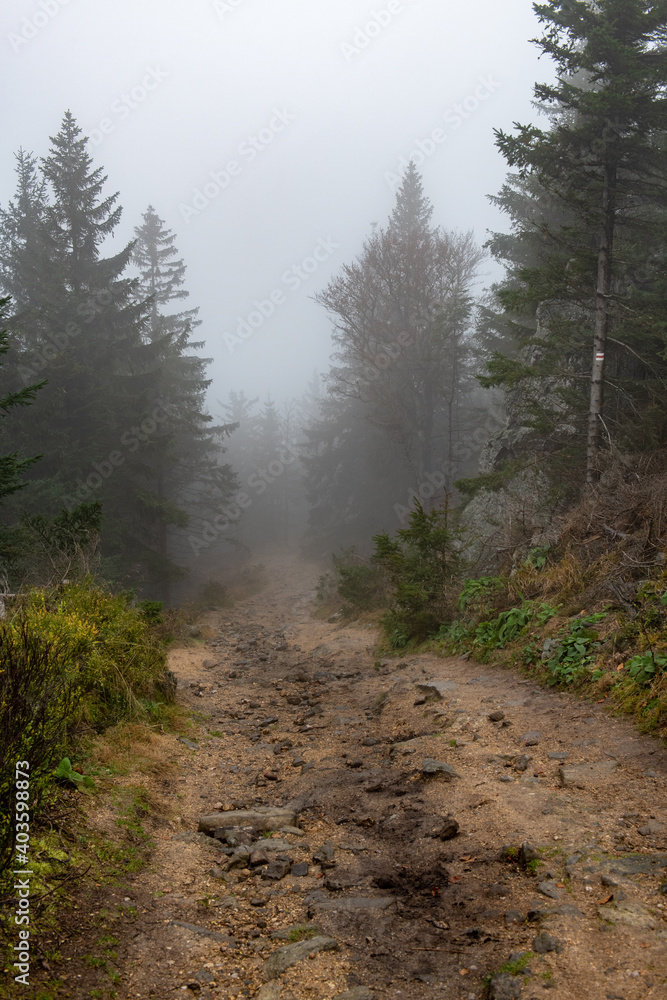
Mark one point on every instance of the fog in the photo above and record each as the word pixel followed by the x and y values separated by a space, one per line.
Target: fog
pixel 270 137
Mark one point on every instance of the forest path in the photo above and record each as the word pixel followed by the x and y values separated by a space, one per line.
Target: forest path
pixel 365 889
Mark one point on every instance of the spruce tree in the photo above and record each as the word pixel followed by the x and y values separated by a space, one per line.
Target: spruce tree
pixel 603 160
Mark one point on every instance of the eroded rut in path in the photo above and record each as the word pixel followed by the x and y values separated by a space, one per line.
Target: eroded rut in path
pixel 396 867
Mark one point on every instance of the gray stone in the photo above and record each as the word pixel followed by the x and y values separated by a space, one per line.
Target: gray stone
pixel 199 931
pixel 630 914
pixel 189 744
pixel 369 741
pixel 291 954
pixel 523 762
pixel 513 917
pixel 497 716
pixel 505 987
pixel 652 827
pixel 269 991
pixel 637 864
pixel 276 870
pixel 531 739
pixel 558 756
pixel 432 767
pixel 300 869
pixel 544 943
pixel 436 689
pixel 259 819
pixel 549 889
pixel 358 993
pixel 350 903
pixel 587 775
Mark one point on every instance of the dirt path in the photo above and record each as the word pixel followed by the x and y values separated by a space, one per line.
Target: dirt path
pixel 365 887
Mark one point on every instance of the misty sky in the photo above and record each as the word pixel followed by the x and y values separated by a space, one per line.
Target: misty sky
pixel 290 117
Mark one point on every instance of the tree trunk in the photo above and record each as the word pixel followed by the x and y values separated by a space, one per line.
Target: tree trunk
pixel 602 292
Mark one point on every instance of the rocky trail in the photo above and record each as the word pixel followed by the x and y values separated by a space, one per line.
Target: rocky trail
pixel 351 829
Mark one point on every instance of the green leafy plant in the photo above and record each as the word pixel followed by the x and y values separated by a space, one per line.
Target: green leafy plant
pixel 575 650
pixel 65 772
pixel 645 667
pixel 476 591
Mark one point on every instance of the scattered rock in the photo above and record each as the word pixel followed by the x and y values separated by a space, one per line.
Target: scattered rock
pixel 435 690
pixel 558 756
pixel 269 991
pixel 358 993
pixel 650 828
pixel 277 870
pixel 531 739
pixel 630 914
pixel 189 744
pixel 324 855
pixel 505 987
pixel 258 819
pixel 544 943
pixel 549 888
pixel 300 869
pixel 513 917
pixel 288 956
pixel 586 775
pixel 369 741
pixel 523 762
pixel 318 902
pixel 496 716
pixel 432 767
pixel 199 931
pixel 449 828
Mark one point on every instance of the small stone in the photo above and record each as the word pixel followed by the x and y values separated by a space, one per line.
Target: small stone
pixel 300 870
pixel 258 858
pixel 358 993
pixel 544 943
pixel 357 762
pixel 449 828
pixel 506 777
pixel 324 855
pixel 548 888
pixel 288 956
pixel 505 987
pixel 523 762
pixel 276 870
pixel 587 775
pixel 513 917
pixel 432 767
pixel 531 739
pixel 258 901
pixel 497 716
pixel 528 853
pixel 189 744
pixel 497 889
pixel 369 741
pixel 558 756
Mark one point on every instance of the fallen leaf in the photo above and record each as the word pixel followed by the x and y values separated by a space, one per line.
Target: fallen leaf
pixel 463 972
pixel 466 857
pixel 560 885
pixel 607 899
pixel 620 667
pixel 455 878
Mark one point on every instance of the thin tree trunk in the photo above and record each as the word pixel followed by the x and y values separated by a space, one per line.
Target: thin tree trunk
pixel 603 291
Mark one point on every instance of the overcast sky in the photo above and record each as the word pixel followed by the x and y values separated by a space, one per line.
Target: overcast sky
pixel 290 118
